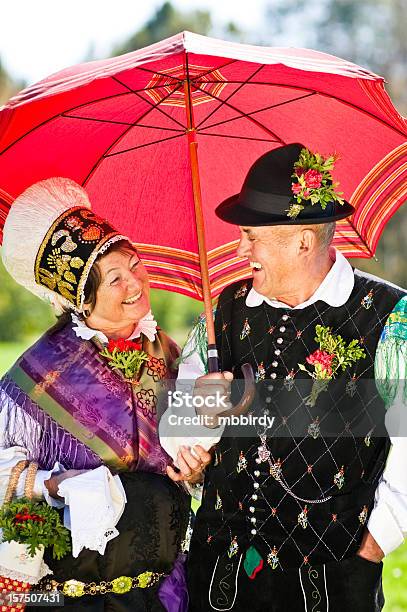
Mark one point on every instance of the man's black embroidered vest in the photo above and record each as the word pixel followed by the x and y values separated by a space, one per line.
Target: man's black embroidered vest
pixel 305 495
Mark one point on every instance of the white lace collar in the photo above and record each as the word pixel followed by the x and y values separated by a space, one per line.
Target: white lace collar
pixel 147 326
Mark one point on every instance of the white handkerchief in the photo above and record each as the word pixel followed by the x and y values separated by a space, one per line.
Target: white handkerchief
pixel 96 501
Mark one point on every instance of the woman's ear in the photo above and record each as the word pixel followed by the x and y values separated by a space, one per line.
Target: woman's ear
pixel 86 311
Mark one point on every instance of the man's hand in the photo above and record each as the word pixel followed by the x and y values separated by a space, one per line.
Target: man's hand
pixel 369 548
pixel 53 483
pixel 215 388
pixel 191 465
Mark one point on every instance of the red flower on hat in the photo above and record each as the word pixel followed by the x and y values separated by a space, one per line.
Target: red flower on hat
pixel 313 179
pixel 313 183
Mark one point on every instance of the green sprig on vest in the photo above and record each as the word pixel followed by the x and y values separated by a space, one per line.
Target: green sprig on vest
pixel 334 354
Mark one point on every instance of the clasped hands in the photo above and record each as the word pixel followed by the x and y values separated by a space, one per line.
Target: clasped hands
pixel 192 462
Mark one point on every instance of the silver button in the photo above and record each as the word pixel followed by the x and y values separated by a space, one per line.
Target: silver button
pixel 282 329
pixel 253 532
pixel 273 375
pixel 274 364
pixel 270 388
pixel 279 341
pixel 277 352
pixel 268 401
pixel 257 473
pixel 252 509
pixel 285 317
pixel 267 412
pixel 254 497
pixel 253 519
pixel 256 485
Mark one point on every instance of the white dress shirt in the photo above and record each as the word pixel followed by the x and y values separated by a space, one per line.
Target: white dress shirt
pixel 388 520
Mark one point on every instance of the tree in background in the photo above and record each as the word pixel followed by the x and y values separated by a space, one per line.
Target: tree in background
pixel 22 315
pixel 370 33
pixel 8 87
pixel 166 22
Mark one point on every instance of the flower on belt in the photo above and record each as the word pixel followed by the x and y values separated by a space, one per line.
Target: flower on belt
pixel 312 182
pixel 333 355
pixel 121 585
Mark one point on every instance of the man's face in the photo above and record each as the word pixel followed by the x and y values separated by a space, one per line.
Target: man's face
pixel 272 253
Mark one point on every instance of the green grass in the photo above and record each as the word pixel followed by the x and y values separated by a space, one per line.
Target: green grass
pixel 9 351
pixel 395 565
pixel 395 580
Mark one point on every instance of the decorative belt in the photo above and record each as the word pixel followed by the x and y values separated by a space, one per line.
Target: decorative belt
pixel 123 584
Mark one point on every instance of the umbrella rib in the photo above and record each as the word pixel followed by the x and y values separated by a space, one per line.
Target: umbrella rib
pixel 73 108
pixel 180 80
pixel 96 119
pixel 228 98
pixel 93 169
pixel 36 127
pixel 158 103
pixel 320 93
pixel 169 76
pixel 213 70
pixel 260 125
pixel 154 127
pixel 260 110
pixel 147 144
pixel 239 137
pixel 158 127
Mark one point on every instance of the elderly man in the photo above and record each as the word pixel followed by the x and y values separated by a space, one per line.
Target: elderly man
pixel 286 520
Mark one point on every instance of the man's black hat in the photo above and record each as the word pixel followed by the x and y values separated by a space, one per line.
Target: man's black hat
pixel 266 195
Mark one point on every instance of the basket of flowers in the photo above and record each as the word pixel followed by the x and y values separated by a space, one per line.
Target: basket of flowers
pixel 27 527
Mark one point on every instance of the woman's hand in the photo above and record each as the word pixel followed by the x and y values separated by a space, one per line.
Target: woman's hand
pixel 191 465
pixel 53 483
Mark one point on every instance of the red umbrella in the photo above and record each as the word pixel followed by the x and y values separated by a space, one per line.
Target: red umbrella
pixel 128 129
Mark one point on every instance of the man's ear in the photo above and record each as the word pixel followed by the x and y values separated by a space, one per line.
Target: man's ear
pixel 307 241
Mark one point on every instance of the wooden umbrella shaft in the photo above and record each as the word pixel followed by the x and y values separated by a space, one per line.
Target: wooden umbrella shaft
pixel 213 365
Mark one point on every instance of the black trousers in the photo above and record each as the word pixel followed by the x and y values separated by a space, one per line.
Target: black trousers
pixel 351 585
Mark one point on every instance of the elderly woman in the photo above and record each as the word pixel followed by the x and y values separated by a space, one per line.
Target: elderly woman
pixel 84 398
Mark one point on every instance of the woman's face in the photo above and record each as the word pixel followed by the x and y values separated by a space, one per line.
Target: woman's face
pixel 123 295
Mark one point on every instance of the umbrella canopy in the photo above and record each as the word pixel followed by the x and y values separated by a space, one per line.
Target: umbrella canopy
pixel 153 133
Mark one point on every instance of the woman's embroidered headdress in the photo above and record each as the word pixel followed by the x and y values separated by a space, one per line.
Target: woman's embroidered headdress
pixel 51 240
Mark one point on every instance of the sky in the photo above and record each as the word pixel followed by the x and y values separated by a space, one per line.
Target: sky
pixel 39 37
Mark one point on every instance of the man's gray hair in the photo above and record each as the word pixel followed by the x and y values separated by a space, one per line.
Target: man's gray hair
pixel 325 233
